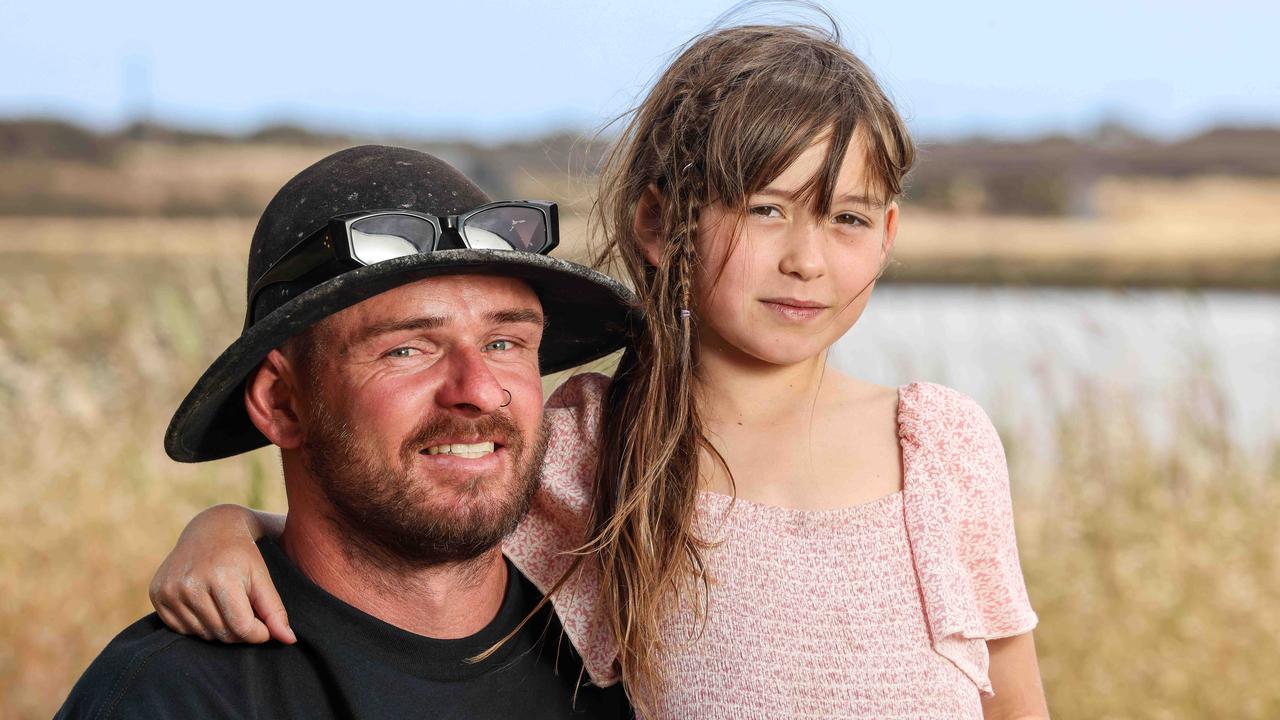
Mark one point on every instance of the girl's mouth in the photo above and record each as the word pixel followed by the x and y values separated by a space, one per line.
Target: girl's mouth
pixel 793 309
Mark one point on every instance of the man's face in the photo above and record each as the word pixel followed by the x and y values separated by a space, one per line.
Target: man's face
pixel 403 414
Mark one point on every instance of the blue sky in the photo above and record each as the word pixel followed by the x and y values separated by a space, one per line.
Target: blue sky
pixel 491 70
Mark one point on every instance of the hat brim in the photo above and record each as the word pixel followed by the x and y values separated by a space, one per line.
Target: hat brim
pixel 588 316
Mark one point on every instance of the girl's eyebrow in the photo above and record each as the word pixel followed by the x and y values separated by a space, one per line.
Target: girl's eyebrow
pixel 778 193
pixel 868 200
pixel 856 198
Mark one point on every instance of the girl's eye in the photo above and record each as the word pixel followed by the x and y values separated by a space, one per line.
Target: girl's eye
pixel 765 211
pixel 849 219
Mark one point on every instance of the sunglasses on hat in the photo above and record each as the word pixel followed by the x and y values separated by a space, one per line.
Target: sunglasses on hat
pixel 355 240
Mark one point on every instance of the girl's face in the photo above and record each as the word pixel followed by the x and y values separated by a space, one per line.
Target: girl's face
pixel 779 284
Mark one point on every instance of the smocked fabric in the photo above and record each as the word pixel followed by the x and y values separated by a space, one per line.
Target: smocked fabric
pixel 878 610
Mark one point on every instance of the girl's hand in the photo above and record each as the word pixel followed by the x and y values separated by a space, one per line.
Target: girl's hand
pixel 214 583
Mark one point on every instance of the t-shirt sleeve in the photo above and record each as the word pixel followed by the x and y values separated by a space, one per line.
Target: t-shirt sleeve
pixel 987 544
pixel 149 672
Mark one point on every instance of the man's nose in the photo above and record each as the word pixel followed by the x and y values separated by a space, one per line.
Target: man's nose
pixel 470 386
pixel 803 256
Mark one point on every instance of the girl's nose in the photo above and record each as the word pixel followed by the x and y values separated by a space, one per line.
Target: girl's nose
pixel 803 257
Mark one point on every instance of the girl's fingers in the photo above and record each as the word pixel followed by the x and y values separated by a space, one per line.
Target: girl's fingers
pixel 172 620
pixel 268 606
pixel 198 609
pixel 192 624
pixel 236 614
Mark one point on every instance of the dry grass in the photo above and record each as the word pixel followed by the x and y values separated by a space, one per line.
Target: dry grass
pixel 26 242
pixel 1154 571
pixel 1188 231
pixel 1203 231
pixel 94 355
pixel 156 179
pixel 1131 219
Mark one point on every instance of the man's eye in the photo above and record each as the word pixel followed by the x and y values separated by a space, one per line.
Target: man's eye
pixel 765 211
pixel 402 352
pixel 498 345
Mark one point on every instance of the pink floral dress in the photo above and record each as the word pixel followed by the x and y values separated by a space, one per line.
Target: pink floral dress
pixel 880 610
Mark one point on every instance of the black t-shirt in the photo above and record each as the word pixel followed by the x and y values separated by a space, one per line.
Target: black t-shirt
pixel 346 663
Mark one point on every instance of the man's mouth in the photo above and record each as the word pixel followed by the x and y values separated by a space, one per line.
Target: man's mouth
pixel 467 450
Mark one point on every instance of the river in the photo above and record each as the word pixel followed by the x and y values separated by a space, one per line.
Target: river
pixel 1026 353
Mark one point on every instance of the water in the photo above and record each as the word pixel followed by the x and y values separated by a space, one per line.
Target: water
pixel 1024 353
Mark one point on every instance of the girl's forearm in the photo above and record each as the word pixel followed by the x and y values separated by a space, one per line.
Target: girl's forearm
pixel 266 524
pixel 1015 677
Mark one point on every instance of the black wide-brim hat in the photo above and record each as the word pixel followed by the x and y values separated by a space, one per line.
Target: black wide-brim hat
pixel 588 314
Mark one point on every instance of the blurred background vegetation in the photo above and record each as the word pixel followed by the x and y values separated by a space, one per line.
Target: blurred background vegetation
pixel 1153 557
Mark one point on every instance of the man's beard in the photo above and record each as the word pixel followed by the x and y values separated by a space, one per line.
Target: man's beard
pixel 398 521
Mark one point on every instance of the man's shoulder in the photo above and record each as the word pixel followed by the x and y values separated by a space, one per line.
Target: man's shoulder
pixel 150 671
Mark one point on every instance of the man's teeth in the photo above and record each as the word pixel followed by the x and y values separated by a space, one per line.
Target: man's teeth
pixel 472 450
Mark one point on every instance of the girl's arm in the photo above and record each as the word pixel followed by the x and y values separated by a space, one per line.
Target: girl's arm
pixel 1015 678
pixel 214 583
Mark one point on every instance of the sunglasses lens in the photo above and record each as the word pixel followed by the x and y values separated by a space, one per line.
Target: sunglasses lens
pixel 383 237
pixel 507 228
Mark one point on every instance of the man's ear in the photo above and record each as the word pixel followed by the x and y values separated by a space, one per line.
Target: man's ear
pixel 270 397
pixel 648 224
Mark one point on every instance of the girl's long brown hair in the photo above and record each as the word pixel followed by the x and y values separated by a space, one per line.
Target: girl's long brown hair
pixel 731 113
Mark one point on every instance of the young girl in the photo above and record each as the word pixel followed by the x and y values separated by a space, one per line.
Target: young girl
pixel 729 526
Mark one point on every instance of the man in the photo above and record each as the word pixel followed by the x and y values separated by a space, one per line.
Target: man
pixel 395 334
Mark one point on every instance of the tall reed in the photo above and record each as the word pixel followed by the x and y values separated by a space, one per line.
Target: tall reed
pixel 1154 567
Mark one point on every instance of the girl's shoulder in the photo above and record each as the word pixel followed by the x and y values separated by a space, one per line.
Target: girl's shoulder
pixel 579 390
pixel 952 456
pixel 945 420
pixel 573 415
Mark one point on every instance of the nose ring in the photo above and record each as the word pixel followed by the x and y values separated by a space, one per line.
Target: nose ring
pixel 508 402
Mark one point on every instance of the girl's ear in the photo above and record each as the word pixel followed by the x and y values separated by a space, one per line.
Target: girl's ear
pixel 648 224
pixel 890 231
pixel 269 398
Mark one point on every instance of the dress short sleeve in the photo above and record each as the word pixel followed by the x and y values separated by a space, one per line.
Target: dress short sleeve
pixel 556 524
pixel 960 524
pixel 988 545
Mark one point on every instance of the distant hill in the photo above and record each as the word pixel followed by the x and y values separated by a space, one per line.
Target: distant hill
pixel 1052 175
pixel 53 167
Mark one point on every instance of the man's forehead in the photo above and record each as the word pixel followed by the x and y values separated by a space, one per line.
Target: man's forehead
pixel 449 297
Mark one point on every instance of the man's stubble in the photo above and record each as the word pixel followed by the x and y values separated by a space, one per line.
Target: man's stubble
pixel 393 520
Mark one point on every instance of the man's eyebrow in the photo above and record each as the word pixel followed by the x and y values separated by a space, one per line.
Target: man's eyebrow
pixel 423 322
pixel 435 322
pixel 521 315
